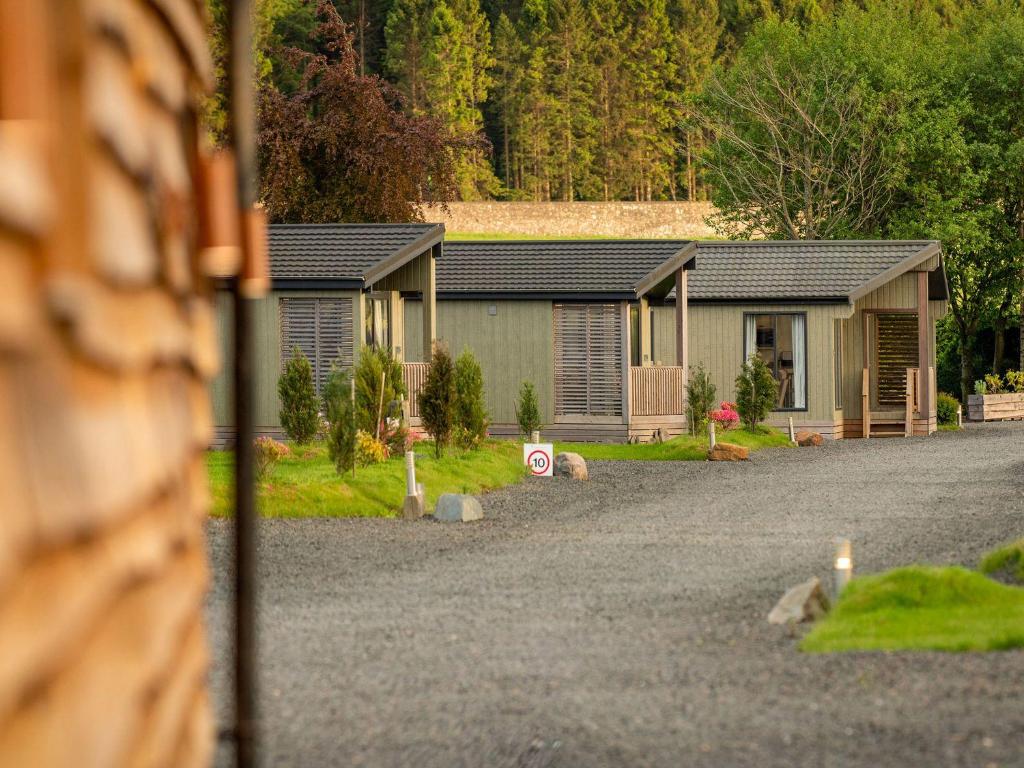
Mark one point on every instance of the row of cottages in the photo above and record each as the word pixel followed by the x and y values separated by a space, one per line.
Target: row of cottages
pixel 606 330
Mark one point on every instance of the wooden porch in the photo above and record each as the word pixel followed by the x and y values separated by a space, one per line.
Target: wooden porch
pixel 657 402
pixel 907 421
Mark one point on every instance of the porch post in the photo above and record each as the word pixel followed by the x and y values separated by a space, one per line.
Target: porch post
pixel 923 356
pixel 429 288
pixel 396 323
pixel 625 363
pixel 646 353
pixel 682 324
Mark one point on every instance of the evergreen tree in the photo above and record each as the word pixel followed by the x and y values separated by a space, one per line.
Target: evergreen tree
pixel 609 107
pixel 571 84
pixel 407 31
pixel 299 416
pixel 507 94
pixel 437 400
pixel 532 130
pixel 470 406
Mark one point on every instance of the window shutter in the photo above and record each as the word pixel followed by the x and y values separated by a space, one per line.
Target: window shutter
pixel 896 346
pixel 322 329
pixel 298 329
pixel 334 337
pixel 588 360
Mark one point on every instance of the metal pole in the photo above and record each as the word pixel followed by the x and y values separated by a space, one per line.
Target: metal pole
pixel 243 123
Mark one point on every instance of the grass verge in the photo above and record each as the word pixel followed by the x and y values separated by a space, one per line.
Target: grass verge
pixel 682 448
pixel 1005 561
pixel 948 428
pixel 305 483
pixel 922 608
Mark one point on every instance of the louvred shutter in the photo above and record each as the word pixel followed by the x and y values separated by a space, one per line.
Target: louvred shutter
pixel 897 350
pixel 334 337
pixel 588 360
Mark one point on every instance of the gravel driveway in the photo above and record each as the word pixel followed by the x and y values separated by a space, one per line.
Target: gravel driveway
pixel 621 622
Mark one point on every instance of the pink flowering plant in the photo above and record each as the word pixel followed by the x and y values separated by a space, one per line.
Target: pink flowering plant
pixel 726 416
pixel 266 453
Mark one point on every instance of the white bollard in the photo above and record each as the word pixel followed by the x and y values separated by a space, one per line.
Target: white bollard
pixel 410 473
pixel 535 436
pixel 843 566
pixel 792 432
pixel 711 435
pixel 959 416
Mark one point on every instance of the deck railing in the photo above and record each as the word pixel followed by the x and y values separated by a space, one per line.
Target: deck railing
pixel 414 375
pixel 657 390
pixel 913 399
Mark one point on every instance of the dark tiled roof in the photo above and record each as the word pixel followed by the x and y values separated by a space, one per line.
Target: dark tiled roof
pixel 550 267
pixel 343 251
pixel 814 270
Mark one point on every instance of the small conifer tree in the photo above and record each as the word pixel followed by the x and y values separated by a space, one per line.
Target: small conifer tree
pixel 756 391
pixel 437 401
pixel 299 416
pixel 341 421
pixel 701 396
pixel 528 410
pixel 470 408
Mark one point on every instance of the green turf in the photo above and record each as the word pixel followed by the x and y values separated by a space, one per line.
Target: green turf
pixel 305 483
pixel 683 448
pixel 948 428
pixel 922 608
pixel 1008 560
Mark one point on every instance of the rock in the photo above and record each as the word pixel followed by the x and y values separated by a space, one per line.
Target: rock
pixel 807 438
pixel 728 452
pixel 458 508
pixel 570 465
pixel 804 602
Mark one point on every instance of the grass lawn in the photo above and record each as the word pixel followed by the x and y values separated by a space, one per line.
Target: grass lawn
pixel 948 428
pixel 1008 561
pixel 305 484
pixel 682 448
pixel 922 608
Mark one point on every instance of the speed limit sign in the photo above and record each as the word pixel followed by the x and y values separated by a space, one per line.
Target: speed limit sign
pixel 539 458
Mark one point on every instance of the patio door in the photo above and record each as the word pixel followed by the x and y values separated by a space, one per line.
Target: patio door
pixel 895 350
pixel 588 360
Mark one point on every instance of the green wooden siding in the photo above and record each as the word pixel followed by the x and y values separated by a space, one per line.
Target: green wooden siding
pixel 513 345
pixel 266 354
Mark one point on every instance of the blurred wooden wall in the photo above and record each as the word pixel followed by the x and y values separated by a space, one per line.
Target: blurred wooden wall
pixel 106 345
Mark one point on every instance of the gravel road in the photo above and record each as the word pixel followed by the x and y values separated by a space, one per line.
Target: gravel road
pixel 621 622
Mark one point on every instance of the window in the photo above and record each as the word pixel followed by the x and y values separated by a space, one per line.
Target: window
pixel 322 329
pixel 377 326
pixel 780 340
pixel 837 363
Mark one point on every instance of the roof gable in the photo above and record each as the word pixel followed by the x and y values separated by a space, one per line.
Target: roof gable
pixel 339 253
pixel 803 270
pixel 555 268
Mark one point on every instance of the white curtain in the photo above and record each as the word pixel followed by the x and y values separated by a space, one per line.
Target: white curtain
pixel 750 332
pixel 799 361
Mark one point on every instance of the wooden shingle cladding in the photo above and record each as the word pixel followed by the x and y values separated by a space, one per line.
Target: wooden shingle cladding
pixel 106 345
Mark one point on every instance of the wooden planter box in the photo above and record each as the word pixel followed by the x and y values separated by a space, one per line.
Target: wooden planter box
pixel 995 407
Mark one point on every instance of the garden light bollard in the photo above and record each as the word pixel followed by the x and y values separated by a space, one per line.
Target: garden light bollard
pixel 711 435
pixel 843 567
pixel 410 473
pixel 959 416
pixel 792 434
pixel 535 436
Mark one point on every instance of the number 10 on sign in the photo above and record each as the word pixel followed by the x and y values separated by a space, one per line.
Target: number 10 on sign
pixel 538 458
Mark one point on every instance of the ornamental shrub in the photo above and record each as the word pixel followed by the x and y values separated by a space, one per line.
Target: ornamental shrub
pixel 756 390
pixel 726 417
pixel 1015 381
pixel 994 384
pixel 470 408
pixel 945 408
pixel 266 453
pixel 700 400
pixel 299 416
pixel 379 390
pixel 979 387
pixel 369 450
pixel 340 416
pixel 528 410
pixel 437 401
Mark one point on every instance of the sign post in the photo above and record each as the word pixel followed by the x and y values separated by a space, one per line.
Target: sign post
pixel 539 458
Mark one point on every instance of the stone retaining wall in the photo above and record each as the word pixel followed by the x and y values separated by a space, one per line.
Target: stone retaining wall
pixel 613 219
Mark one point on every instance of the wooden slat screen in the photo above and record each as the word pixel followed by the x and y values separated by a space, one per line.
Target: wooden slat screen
pixel 657 390
pixel 322 329
pixel 896 350
pixel 588 359
pixel 414 376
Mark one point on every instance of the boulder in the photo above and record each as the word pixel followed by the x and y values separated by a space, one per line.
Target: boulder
pixel 458 508
pixel 728 452
pixel 804 602
pixel 807 438
pixel 570 465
